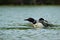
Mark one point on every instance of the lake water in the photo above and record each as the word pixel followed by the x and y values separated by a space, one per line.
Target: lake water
pixel 12 16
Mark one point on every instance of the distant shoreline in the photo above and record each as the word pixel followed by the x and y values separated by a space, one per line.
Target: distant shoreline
pixel 28 5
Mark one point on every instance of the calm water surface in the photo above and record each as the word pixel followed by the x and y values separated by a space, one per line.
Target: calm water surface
pixel 12 16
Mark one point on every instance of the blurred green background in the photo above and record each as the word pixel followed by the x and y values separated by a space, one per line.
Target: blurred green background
pixel 29 2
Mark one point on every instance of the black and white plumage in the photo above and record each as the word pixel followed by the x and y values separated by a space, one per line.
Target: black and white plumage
pixel 44 22
pixel 38 24
pixel 31 20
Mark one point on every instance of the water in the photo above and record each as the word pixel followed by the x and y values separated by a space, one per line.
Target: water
pixel 13 16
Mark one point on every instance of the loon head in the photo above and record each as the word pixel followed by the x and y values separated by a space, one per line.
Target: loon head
pixel 31 20
pixel 44 22
pixel 41 19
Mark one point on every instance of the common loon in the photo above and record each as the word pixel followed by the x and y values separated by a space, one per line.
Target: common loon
pixel 37 24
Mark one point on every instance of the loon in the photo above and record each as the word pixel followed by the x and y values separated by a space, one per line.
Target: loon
pixel 38 24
